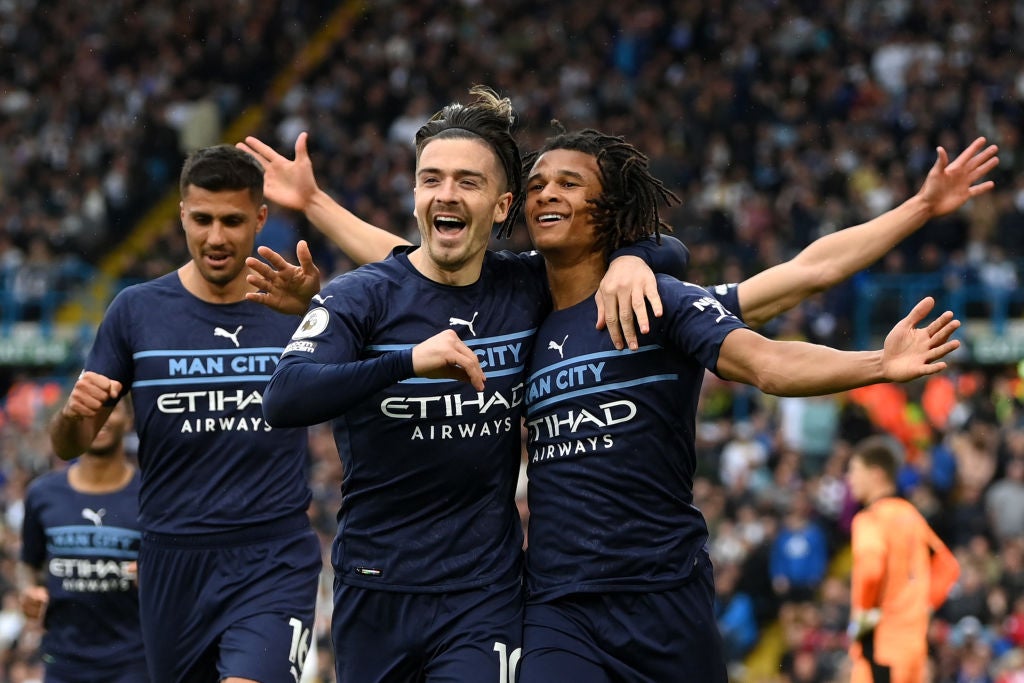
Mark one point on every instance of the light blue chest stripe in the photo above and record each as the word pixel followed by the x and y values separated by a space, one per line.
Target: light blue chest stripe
pixel 469 342
pixel 92 528
pixel 92 552
pixel 497 373
pixel 162 353
pixel 575 360
pixel 200 380
pixel 530 410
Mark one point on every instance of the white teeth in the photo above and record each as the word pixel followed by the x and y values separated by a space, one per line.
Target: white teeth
pixel 549 217
pixel 447 219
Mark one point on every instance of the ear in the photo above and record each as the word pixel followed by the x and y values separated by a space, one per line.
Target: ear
pixel 261 218
pixel 502 207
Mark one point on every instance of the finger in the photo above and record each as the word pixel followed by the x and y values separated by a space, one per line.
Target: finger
pixel 253 153
pixel 273 258
pixel 934 326
pixel 945 333
pixel 652 295
pixel 262 149
pixel 933 368
pixel 944 350
pixel 627 321
pixel 976 190
pixel 920 311
pixel 305 257
pixel 261 268
pixel 600 311
pixel 639 304
pixel 256 297
pixel 982 157
pixel 972 149
pixel 984 169
pixel 301 150
pixel 115 388
pixel 941 159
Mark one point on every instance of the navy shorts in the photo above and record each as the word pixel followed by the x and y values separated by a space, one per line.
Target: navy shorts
pixel 128 672
pixel 669 635
pixel 383 636
pixel 233 604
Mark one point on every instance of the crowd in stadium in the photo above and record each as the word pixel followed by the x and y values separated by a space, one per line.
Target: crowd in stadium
pixel 775 122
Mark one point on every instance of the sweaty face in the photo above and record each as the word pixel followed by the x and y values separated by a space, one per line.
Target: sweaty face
pixel 557 210
pixel 221 228
pixel 460 195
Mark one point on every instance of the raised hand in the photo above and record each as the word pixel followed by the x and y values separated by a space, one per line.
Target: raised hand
pixel 288 183
pixel 90 394
pixel 910 351
pixel 621 300
pixel 949 185
pixel 284 287
pixel 445 356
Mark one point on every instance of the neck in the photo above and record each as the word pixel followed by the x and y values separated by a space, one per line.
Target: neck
pixel 228 293
pixel 879 494
pixel 100 474
pixel 465 275
pixel 574 279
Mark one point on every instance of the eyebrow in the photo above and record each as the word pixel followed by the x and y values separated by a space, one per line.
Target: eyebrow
pixel 563 172
pixel 458 173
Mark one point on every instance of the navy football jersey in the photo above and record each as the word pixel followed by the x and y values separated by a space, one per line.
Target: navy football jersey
pixel 197 371
pixel 729 296
pixel 611 447
pixel 85 542
pixel 430 465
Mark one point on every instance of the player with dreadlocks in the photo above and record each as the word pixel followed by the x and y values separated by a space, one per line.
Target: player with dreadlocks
pixel 428 554
pixel 619 583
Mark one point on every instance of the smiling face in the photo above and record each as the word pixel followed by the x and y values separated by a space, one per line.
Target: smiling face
pixel 460 195
pixel 220 229
pixel 558 214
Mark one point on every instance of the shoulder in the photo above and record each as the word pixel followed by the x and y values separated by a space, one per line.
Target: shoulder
pixel 46 485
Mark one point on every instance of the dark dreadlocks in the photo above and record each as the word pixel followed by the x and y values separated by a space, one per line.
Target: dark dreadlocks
pixel 627 209
pixel 488 118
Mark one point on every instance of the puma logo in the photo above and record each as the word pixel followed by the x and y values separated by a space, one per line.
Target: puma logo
pixel 553 345
pixel 321 299
pixel 96 517
pixel 467 323
pixel 233 336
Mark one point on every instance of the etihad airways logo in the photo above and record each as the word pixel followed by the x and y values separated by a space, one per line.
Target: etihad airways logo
pixel 450 405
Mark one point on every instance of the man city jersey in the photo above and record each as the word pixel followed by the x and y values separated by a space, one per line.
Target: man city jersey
pixel 430 465
pixel 197 371
pixel 85 543
pixel 611 447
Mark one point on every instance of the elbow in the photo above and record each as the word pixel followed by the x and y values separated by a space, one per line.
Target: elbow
pixel 275 411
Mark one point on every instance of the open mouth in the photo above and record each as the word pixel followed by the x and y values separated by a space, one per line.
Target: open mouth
pixel 218 260
pixel 549 218
pixel 448 225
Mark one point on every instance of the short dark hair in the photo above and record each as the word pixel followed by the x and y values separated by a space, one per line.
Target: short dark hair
pixel 627 209
pixel 489 118
pixel 880 452
pixel 222 168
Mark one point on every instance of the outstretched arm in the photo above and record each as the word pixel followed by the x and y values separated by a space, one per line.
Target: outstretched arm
pixel 292 184
pixel 800 369
pixel 833 258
